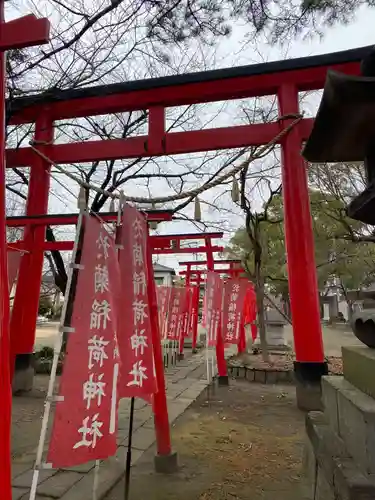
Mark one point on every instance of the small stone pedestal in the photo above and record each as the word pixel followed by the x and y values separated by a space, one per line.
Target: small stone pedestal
pixel 339 462
pixel 23 373
pixel 275 324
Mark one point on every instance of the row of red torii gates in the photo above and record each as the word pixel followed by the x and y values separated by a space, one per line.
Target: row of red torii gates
pixel 285 79
pixel 22 346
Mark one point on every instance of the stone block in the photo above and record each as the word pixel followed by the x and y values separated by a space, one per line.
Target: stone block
pixel 309 467
pixel 285 377
pixel 272 377
pixel 23 380
pixel 323 489
pixel 359 368
pixel 59 484
pixel 356 413
pixel 309 396
pixel 340 471
pixel 350 483
pixel 330 386
pixel 250 375
pixel 260 376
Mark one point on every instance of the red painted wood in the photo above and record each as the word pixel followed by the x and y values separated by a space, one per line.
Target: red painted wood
pixel 299 241
pixel 26 31
pixel 26 301
pixel 71 219
pixel 174 143
pixel 189 93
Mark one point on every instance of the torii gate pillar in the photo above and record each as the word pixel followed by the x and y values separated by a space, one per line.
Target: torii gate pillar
pixel 299 241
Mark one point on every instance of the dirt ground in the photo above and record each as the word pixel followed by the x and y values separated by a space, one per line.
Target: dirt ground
pixel 242 442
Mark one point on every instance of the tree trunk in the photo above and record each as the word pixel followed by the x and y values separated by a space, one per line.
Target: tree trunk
pixel 259 290
pixel 286 301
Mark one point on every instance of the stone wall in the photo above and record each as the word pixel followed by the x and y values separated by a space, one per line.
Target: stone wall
pixel 339 457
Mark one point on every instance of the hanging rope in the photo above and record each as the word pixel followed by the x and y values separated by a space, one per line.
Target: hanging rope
pixel 187 194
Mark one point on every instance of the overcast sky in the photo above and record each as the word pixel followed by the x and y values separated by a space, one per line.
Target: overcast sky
pixel 238 51
pixel 230 53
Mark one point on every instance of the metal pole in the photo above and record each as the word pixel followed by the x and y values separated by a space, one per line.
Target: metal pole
pixel 5 384
pixel 57 349
pixel 129 451
pixel 220 355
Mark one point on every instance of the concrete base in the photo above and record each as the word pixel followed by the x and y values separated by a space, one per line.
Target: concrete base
pixel 223 380
pixel 166 464
pixel 359 367
pixel 180 356
pixel 330 473
pixel 23 374
pixel 309 396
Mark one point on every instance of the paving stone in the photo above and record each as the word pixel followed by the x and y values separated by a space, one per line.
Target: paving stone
pixel 122 453
pixel 82 468
pixel 143 438
pixel 191 393
pixel 149 424
pixel 18 493
pixel 18 469
pixel 25 479
pixel 110 472
pixel 59 483
pixel 176 408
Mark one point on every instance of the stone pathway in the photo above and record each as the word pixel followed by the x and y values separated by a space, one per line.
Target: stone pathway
pixel 184 384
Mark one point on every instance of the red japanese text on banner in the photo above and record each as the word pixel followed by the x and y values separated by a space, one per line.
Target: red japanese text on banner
pixel 250 311
pixel 85 422
pixel 175 313
pixel 213 300
pixel 163 295
pixel 187 311
pixel 233 309
pixel 194 303
pixel 134 334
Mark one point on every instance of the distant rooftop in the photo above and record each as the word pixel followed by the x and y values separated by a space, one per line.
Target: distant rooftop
pixel 163 269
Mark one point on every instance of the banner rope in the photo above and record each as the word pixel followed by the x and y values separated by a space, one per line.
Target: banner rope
pixel 187 194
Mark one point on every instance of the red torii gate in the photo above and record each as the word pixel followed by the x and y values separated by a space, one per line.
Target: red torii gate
pixel 235 270
pixel 209 249
pixel 282 78
pixel 26 301
pixel 27 31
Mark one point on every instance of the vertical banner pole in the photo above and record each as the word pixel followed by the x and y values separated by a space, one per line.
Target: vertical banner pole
pixel 185 326
pixel 129 451
pixel 96 480
pixel 57 349
pixel 195 323
pixel 5 383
